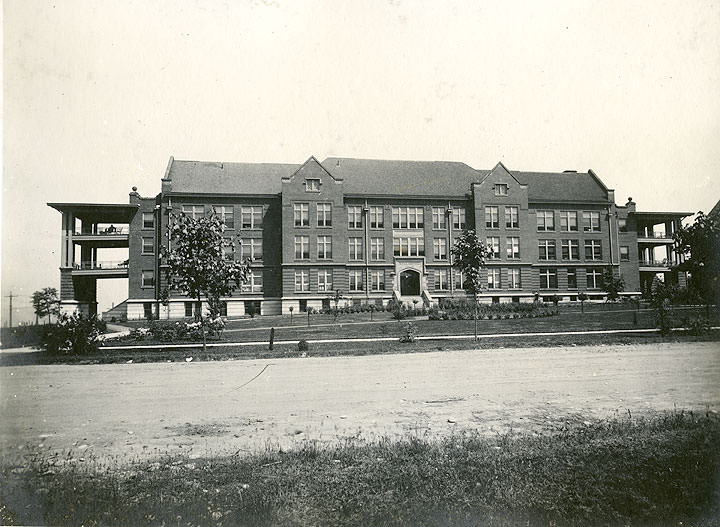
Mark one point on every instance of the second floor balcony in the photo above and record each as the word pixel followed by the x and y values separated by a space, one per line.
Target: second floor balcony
pixel 109 268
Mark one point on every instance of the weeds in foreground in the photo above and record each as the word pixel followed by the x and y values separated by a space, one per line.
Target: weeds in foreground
pixel 624 471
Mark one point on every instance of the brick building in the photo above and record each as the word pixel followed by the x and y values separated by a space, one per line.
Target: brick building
pixel 371 230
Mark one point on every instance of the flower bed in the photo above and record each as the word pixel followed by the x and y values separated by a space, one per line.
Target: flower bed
pixel 464 309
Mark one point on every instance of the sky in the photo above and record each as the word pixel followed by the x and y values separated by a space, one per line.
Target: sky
pixel 97 95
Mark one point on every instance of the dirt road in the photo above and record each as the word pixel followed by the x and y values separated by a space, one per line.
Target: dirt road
pixel 140 410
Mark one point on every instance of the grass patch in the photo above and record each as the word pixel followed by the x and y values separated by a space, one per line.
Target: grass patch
pixel 625 471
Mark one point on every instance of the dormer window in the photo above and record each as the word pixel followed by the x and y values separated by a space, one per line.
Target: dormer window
pixel 312 185
pixel 501 189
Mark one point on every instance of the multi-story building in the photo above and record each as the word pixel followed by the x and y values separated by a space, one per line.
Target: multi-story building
pixel 369 231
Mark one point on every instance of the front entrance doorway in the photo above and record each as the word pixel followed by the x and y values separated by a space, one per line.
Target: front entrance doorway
pixel 410 283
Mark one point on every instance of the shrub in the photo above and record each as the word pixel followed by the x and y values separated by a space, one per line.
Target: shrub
pixel 303 345
pixel 73 334
pixel 410 333
pixel 697 325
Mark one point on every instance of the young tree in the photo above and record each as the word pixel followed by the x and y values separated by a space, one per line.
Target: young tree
pixel 612 285
pixel 45 302
pixel 197 264
pixel 469 254
pixel 700 243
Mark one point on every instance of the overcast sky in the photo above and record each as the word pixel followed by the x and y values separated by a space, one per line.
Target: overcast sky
pixel 99 94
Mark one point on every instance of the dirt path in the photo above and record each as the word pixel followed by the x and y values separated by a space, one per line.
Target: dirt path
pixel 140 410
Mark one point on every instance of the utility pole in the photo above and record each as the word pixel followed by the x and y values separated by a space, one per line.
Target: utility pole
pixel 10 296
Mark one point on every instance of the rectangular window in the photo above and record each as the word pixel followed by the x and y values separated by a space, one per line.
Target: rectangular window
pixel 501 189
pixel 148 220
pixel 458 218
pixel 377 249
pixel 188 309
pixel 624 253
pixel 194 211
pixel 148 246
pixel 493 243
pixel 511 218
pixel 302 248
pixel 594 278
pixel 324 247
pixel 226 214
pixel 593 250
pixel 548 279
pixel 254 283
pixel 377 280
pixel 251 217
pixel 377 220
pixel 312 185
pixel 148 278
pixel 570 250
pixel 223 308
pixel 545 220
pixel 251 248
pixel 572 278
pixel 355 248
pixel 493 278
pixel 408 218
pixel 301 214
pixel 513 247
pixel 354 217
pixel 324 214
pixel 440 249
pixel 302 281
pixel 591 221
pixel 491 217
pixel 148 310
pixel 622 225
pixel 355 279
pixel 438 218
pixel 459 280
pixel 546 250
pixel 412 246
pixel 568 221
pixel 442 279
pixel 325 280
pixel 514 278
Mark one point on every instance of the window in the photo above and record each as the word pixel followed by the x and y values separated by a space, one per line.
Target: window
pixel 355 248
pixel 572 278
pixel 226 214
pixel 302 248
pixel 513 247
pixel 440 249
pixel 148 310
pixel 459 280
pixel 252 307
pixel 622 225
pixel 593 250
pixel 493 278
pixel 194 211
pixel 254 283
pixel 408 218
pixel 301 213
pixel 324 214
pixel 377 249
pixel 228 249
pixel 546 249
pixel 491 218
pixel 355 278
pixel 511 218
pixel 591 221
pixel 594 278
pixel 189 309
pixel 377 280
pixel 324 247
pixel 501 189
pixel 148 278
pixel 354 217
pixel 302 306
pixel 458 218
pixel 302 281
pixel 568 221
pixel 545 220
pixel 148 220
pixel 223 308
pixel 570 250
pixel 514 278
pixel 312 185
pixel 147 246
pixel 411 246
pixel 548 279
pixel 441 279
pixel 624 253
pixel 251 248
pixel 251 217
pixel 325 280
pixel 376 217
pixel 438 218
pixel 493 243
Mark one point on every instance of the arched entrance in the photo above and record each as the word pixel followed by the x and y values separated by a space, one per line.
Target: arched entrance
pixel 410 283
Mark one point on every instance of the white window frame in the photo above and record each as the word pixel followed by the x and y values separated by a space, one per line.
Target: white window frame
pixel 354 214
pixel 492 217
pixel 377 280
pixel 568 221
pixel 596 275
pixel 251 248
pixel 409 246
pixel 493 242
pixel 440 249
pixel 324 214
pixel 325 280
pixel 595 247
pixel 254 283
pixel 251 217
pixel 501 189
pixel 324 247
pixel 458 219
pixel 493 278
pixel 355 248
pixel 546 274
pixel 143 241
pixel 302 281
pixel 442 279
pixel 147 278
pixel 439 220
pixel 355 280
pixel 302 247
pixel 572 247
pixel 377 249
pixel 224 212
pixel 312 185
pixel 544 249
pixel 377 217
pixel 301 214
pixel 512 247
pixel 194 211
pixel 514 278
pixel 591 221
pixel 512 217
pixel 145 215
pixel 545 220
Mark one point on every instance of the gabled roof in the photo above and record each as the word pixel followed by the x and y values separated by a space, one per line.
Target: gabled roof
pixel 562 186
